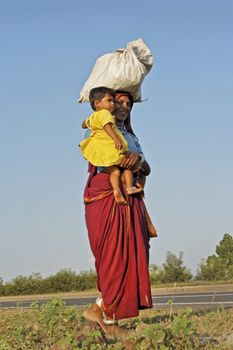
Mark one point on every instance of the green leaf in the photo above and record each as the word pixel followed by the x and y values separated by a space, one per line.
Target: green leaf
pixel 160 336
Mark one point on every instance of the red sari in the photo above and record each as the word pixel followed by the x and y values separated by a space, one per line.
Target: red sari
pixel 119 240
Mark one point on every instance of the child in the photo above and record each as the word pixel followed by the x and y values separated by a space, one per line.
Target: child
pixel 106 145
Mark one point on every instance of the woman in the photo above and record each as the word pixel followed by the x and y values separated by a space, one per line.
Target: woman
pixel 119 235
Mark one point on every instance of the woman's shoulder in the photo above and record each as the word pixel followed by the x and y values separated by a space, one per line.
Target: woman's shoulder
pixel 132 139
pixel 125 131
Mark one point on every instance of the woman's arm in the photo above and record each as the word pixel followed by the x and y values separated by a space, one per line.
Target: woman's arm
pixel 130 160
pixel 144 168
pixel 135 161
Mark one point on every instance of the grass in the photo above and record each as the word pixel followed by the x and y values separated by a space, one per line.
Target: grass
pixel 56 327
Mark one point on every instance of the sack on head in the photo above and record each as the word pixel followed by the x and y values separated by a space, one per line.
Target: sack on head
pixel 123 69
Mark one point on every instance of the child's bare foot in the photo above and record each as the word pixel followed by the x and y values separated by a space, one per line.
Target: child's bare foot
pixel 119 197
pixel 133 190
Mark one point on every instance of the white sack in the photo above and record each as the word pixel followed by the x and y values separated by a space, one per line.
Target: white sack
pixel 123 69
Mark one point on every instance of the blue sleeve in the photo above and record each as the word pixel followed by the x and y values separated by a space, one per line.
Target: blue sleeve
pixel 87 133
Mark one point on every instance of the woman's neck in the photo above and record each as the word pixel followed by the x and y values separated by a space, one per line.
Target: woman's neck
pixel 120 123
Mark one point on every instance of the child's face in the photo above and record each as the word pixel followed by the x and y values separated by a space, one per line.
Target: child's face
pixel 107 102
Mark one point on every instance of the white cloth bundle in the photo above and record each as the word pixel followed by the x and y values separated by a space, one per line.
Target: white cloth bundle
pixel 123 69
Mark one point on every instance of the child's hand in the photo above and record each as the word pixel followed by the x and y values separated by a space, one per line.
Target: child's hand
pixel 118 143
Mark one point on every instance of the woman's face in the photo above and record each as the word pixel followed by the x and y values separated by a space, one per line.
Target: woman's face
pixel 122 108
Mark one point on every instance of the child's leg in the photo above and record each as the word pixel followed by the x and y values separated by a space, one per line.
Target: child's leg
pixel 115 173
pixel 128 179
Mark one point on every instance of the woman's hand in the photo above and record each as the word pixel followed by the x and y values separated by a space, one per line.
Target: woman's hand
pixel 130 160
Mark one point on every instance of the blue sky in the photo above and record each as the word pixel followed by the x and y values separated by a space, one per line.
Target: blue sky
pixel 48 49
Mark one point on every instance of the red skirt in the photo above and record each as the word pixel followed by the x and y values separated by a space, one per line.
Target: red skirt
pixel 119 240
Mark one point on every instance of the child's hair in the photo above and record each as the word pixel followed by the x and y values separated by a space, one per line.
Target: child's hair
pixel 98 93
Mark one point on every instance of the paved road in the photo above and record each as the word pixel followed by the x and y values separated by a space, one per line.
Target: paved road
pixel 199 300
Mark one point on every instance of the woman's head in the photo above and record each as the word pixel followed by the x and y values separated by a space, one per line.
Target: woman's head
pixel 123 106
pixel 124 99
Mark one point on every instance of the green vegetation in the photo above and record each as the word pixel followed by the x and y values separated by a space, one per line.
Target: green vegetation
pixel 220 265
pixel 173 270
pixel 63 281
pixel 54 326
pixel 215 268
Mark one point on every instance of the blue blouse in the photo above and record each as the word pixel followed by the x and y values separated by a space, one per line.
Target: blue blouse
pixel 132 140
pixel 133 143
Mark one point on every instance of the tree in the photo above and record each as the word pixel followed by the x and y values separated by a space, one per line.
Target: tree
pixel 173 270
pixel 154 274
pixel 220 265
pixel 1 286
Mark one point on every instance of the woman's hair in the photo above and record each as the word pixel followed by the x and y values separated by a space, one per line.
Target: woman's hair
pixel 98 93
pixel 128 125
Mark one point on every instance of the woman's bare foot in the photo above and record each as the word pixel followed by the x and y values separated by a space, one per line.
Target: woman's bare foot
pixel 133 190
pixel 93 313
pixel 119 197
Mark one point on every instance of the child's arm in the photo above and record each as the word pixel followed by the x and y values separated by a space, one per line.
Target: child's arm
pixel 84 124
pixel 116 139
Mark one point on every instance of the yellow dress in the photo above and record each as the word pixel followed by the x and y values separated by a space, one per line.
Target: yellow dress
pixel 99 148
